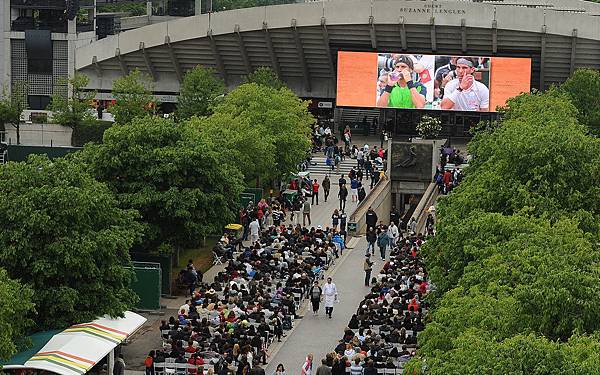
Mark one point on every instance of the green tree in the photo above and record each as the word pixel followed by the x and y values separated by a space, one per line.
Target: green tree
pixel 281 118
pixel 15 306
pixel 64 236
pixel 133 96
pixel 183 186
pixel 265 76
pixel 201 88
pixel 11 107
pixel 582 88
pixel 75 110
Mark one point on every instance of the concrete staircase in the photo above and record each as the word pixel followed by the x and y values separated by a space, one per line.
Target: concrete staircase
pixel 322 168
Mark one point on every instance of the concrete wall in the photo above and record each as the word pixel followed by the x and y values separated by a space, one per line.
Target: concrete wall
pixel 380 199
pixel 40 135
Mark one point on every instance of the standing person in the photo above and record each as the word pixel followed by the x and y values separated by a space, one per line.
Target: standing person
pixel 343 219
pixel 383 241
pixel 315 297
pixel 371 239
pixel 412 225
pixel 315 191
pixel 254 230
pixel 343 195
pixel 326 183
pixel 354 189
pixel 335 219
pixel 331 296
pixel 368 166
pixel 323 369
pixel 393 234
pixel 342 181
pixel 368 267
pixel 119 368
pixel 362 194
pixel 305 212
pixel 149 363
pixel 394 215
pixel 280 370
pixel 307 366
pixel 371 218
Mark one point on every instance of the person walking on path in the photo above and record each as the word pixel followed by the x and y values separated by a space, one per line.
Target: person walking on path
pixel 323 369
pixel 341 181
pixel 371 239
pixel 326 183
pixel 307 366
pixel 315 297
pixel 305 212
pixel 383 242
pixel 331 295
pixel 354 189
pixel 393 234
pixel 371 218
pixel 315 191
pixel 343 219
pixel 343 195
pixel 335 219
pixel 254 230
pixel 368 267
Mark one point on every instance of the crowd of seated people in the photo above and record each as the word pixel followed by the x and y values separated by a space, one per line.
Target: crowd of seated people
pixel 382 333
pixel 228 324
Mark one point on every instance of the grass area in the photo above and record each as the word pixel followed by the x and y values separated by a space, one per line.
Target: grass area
pixel 202 257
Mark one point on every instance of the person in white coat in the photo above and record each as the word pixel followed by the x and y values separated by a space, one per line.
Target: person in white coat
pixel 331 296
pixel 393 234
pixel 254 231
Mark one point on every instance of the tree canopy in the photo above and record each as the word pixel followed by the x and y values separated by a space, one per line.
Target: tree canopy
pixel 133 97
pixel 199 91
pixel 582 88
pixel 265 76
pixel 280 118
pixel 15 311
pixel 515 260
pixel 64 236
pixel 11 106
pixel 182 185
pixel 75 110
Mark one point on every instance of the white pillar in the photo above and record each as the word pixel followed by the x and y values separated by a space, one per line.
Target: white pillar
pixel 110 362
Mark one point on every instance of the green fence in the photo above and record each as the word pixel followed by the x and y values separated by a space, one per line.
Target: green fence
pixel 20 152
pixel 250 194
pixel 147 284
pixel 165 266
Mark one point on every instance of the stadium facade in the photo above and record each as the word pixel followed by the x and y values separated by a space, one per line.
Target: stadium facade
pixel 300 41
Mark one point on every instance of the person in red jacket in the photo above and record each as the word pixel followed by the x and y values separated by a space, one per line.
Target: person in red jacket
pixel 315 191
pixel 413 305
pixel 197 361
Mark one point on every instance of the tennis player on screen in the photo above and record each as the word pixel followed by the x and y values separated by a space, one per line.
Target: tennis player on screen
pixel 464 93
pixel 401 90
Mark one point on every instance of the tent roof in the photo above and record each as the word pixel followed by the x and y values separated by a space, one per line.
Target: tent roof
pixel 78 348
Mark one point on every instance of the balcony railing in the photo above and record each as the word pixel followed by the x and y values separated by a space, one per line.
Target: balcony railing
pixel 47 4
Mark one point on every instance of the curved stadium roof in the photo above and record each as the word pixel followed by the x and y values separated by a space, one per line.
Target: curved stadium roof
pixel 300 41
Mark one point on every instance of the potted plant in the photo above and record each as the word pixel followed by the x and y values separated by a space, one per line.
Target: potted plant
pixel 429 127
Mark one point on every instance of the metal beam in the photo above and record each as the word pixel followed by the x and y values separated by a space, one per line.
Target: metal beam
pixel 372 32
pixel 269 43
pixel 494 37
pixel 122 63
pixel 403 34
pixel 218 59
pixel 325 34
pixel 300 50
pixel 243 51
pixel 573 50
pixel 148 62
pixel 174 60
pixel 543 59
pixel 97 66
pixel 463 35
pixel 433 39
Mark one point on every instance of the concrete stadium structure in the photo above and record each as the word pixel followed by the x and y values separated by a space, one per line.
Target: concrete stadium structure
pixel 300 41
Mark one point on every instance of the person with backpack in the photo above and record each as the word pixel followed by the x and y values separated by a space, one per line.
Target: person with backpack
pixel 383 241
pixel 149 363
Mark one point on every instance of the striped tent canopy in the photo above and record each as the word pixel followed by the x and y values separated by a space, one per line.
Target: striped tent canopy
pixel 78 348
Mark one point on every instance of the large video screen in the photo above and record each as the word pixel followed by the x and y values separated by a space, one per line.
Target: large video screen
pixel 459 83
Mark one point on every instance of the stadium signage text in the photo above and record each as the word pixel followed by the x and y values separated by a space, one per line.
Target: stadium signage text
pixel 432 9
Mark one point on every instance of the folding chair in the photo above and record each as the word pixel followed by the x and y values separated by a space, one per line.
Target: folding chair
pixel 217 259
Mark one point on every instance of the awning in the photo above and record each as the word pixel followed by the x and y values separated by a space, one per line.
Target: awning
pixel 78 348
